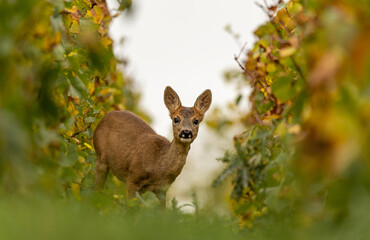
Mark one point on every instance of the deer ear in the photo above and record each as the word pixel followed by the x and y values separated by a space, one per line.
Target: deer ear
pixel 171 99
pixel 203 102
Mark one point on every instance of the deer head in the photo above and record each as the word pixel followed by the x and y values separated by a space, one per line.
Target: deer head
pixel 186 120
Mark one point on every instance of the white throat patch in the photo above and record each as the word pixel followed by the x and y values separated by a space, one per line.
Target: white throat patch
pixel 185 140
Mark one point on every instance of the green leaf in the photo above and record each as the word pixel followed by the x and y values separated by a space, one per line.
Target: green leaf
pixel 273 202
pixel 263 30
pixel 78 85
pixel 89 119
pixel 82 5
pixel 265 107
pixel 282 88
pixel 231 169
pixel 70 157
pixel 74 27
pixel 264 43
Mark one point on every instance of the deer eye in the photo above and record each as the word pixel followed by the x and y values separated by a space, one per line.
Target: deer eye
pixel 176 120
pixel 195 121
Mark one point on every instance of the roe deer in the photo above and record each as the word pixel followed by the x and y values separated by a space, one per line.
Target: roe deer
pixel 135 154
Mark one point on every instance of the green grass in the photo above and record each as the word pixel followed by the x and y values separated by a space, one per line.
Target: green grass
pixel 59 219
pixel 101 217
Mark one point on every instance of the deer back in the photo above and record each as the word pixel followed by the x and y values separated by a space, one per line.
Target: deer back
pixel 122 138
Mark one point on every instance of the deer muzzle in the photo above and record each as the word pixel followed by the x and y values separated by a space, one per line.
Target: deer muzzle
pixel 186 136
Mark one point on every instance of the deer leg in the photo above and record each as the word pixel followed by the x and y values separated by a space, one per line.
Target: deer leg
pixel 131 188
pixel 161 195
pixel 101 172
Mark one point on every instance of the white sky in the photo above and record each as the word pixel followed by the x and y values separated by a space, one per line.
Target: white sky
pixel 183 44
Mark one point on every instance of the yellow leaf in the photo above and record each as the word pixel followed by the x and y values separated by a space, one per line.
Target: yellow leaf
pixel 106 41
pixel 286 52
pixel 81 159
pixel 72 54
pixel 89 14
pixel 294 129
pixel 99 15
pixel 107 91
pixel 116 181
pixel 74 9
pixel 72 109
pixel 270 68
pixel 268 79
pixel 91 87
pixel 120 106
pixel 250 64
pixel 118 196
pixel 88 145
pixel 282 16
pixel 96 14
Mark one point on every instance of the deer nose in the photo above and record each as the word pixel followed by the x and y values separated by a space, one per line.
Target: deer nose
pixel 186 134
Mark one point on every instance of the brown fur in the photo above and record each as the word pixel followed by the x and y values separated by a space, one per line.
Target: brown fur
pixel 130 148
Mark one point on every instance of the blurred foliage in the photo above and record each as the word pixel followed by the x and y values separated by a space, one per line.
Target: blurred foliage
pixel 53 219
pixel 59 77
pixel 301 167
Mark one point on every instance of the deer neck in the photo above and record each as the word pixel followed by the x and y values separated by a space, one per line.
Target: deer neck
pixel 176 155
